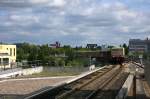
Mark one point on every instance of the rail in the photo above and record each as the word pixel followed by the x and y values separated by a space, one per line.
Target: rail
pixel 138 64
pixel 82 83
pixel 104 84
pixel 86 87
pixel 100 78
pixel 49 93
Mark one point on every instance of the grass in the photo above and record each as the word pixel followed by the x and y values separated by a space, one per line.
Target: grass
pixel 50 74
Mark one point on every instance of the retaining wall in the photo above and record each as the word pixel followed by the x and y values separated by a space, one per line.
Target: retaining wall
pixel 125 88
pixel 19 71
pixel 147 71
pixel 31 71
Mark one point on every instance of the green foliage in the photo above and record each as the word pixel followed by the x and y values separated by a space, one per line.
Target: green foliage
pixel 64 56
pixel 46 55
pixel 110 47
pixel 126 49
pixel 74 63
pixel 23 51
pixel 33 53
pixel 146 55
pixel 79 62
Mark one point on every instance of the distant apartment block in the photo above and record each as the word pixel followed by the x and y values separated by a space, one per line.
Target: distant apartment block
pixel 7 55
pixel 55 45
pixel 138 45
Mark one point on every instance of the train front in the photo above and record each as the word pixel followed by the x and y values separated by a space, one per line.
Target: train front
pixel 117 55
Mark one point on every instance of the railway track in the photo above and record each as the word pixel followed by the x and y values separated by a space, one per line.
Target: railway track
pixel 78 84
pixel 110 90
pixel 102 84
pixel 92 86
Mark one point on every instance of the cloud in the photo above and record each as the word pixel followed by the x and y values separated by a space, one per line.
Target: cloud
pixel 58 3
pixel 37 1
pixel 72 21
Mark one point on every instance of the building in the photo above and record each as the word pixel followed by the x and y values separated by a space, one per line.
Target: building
pixel 56 45
pixel 138 45
pixel 148 44
pixel 91 46
pixel 7 55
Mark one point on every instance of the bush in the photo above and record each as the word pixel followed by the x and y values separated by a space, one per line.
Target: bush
pixel 74 63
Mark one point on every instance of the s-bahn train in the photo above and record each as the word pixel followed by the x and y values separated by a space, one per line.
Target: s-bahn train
pixel 117 55
pixel 113 56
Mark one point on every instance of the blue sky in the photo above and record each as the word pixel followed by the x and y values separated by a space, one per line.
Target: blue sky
pixel 75 22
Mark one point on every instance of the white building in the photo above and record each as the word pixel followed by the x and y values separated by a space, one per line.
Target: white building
pixel 7 55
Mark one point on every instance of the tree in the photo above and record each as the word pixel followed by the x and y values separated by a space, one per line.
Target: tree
pixel 126 49
pixel 44 54
pixel 70 54
pixel 110 46
pixel 33 53
pixel 23 50
pixel 48 56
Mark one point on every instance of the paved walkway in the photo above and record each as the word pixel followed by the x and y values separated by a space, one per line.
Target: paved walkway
pixel 29 85
pixel 17 88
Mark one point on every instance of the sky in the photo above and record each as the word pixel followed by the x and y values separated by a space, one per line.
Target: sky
pixel 74 22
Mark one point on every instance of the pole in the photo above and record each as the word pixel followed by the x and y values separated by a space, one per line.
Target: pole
pixel 90 61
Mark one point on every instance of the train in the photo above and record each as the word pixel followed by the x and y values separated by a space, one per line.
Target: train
pixel 117 55
pixel 114 55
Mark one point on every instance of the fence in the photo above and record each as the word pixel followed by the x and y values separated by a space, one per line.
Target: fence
pixel 66 69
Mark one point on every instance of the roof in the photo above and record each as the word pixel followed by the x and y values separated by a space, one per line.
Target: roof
pixel 7 44
pixel 92 44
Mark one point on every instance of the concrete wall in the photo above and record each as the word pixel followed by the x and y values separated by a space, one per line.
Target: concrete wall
pixel 147 70
pixel 31 71
pixel 125 88
pixel 11 72
pixel 17 72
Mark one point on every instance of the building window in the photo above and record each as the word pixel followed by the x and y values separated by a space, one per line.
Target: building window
pixel 10 51
pixel 0 61
pixel 5 61
pixel 14 52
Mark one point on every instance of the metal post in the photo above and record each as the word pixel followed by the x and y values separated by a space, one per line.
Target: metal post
pixel 90 61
